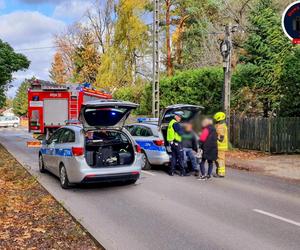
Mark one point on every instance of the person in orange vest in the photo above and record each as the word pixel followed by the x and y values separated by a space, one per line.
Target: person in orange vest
pixel 222 133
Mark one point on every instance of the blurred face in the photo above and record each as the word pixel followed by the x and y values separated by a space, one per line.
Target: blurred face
pixel 177 118
pixel 206 122
pixel 189 127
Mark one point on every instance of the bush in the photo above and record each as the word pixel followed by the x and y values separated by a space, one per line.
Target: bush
pixel 133 93
pixel 199 87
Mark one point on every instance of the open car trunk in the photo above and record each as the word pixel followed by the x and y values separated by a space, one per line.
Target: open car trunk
pixel 189 113
pixel 108 148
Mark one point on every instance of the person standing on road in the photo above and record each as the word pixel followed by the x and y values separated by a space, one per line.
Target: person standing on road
pixel 174 138
pixel 190 148
pixel 222 133
pixel 208 143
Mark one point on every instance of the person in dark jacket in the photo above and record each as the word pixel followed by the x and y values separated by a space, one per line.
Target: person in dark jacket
pixel 208 143
pixel 190 147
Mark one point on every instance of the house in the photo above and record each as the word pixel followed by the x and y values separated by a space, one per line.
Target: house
pixel 8 112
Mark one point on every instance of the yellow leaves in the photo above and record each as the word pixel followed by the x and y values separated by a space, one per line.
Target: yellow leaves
pixel 39 230
pixel 58 69
pixel 118 64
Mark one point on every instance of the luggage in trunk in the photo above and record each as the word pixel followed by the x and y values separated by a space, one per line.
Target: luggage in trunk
pixel 109 149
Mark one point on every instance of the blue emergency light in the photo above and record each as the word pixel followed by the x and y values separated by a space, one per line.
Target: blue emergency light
pixel 147 120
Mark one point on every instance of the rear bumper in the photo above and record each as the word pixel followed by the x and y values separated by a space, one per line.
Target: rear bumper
pixel 78 171
pixel 111 178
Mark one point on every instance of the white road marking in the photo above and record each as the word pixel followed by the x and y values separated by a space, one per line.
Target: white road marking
pixel 147 172
pixel 277 217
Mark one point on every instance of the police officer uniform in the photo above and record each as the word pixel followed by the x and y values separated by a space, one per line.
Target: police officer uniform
pixel 174 139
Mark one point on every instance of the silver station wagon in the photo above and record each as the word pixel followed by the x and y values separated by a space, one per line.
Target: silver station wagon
pixel 98 150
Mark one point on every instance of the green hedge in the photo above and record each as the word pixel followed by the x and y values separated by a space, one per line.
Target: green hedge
pixel 200 87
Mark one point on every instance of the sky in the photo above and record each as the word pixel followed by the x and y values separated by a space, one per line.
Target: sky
pixel 30 24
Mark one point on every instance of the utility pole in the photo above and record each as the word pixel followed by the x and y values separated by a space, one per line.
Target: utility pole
pixel 226 49
pixel 155 84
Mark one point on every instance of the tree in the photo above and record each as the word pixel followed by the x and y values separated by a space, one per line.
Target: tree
pixel 86 59
pixel 2 97
pixel 290 85
pixel 266 48
pixel 58 69
pixel 10 62
pixel 119 63
pixel 20 102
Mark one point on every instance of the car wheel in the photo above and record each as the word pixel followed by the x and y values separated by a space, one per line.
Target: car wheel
pixel 41 164
pixel 15 125
pixel 147 165
pixel 63 177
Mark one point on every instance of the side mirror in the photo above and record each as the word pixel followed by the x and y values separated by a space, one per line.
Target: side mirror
pixel 44 142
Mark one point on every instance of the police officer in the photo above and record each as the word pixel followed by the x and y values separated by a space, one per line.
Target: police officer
pixel 174 139
pixel 222 133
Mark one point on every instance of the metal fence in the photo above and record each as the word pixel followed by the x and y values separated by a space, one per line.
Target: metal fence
pixel 274 135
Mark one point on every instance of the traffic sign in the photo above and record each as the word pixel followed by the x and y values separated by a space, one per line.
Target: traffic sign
pixel 291 22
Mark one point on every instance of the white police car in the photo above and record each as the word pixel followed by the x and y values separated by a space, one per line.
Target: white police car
pixel 151 133
pixel 99 150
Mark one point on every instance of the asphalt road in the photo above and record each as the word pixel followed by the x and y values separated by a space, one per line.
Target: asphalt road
pixel 242 211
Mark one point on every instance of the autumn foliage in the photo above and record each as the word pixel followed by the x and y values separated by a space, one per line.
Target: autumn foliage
pixel 30 218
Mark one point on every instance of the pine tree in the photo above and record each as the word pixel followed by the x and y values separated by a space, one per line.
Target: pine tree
pixel 58 69
pixel 20 102
pixel 266 48
pixel 86 59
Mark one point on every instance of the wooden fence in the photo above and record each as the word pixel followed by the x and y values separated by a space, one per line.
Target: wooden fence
pixel 274 135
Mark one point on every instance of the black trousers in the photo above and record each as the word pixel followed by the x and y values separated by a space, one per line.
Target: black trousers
pixel 202 167
pixel 177 156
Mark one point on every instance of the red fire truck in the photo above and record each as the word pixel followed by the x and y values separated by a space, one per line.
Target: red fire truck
pixel 51 106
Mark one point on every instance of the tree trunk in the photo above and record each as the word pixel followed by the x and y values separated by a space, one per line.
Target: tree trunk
pixel 168 38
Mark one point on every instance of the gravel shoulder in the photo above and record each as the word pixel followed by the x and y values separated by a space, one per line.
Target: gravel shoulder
pixel 282 166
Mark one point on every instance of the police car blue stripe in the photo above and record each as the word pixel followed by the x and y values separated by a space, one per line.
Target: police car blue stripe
pixel 67 152
pixel 150 145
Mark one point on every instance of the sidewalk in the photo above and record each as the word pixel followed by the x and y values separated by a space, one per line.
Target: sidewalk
pixel 284 166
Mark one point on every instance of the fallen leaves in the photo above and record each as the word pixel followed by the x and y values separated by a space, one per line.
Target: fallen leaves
pixel 30 218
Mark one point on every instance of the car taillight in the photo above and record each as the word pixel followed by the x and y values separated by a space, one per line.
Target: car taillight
pixel 159 142
pixel 77 151
pixel 138 148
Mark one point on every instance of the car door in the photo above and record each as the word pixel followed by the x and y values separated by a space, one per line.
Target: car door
pixel 63 149
pixel 143 136
pixel 50 153
pixel 7 121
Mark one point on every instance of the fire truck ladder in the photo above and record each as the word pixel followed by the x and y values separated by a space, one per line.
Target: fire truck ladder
pixel 73 104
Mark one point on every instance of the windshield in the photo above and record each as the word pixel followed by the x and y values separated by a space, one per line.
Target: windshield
pixel 104 116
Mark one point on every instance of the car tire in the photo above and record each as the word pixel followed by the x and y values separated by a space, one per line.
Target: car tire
pixel 15 125
pixel 63 177
pixel 41 164
pixel 147 165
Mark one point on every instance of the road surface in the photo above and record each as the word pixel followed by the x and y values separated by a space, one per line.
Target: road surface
pixel 242 211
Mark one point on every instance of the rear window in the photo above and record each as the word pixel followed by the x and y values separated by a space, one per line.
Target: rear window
pixel 104 116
